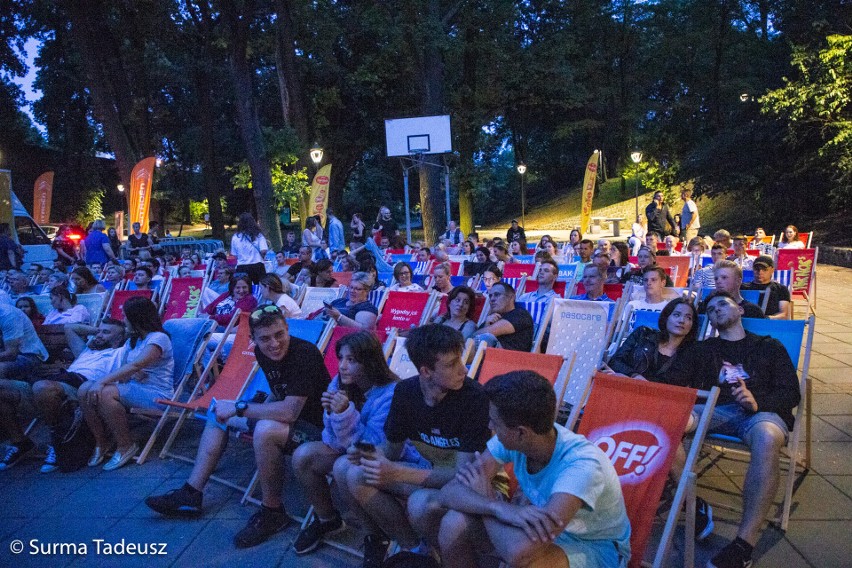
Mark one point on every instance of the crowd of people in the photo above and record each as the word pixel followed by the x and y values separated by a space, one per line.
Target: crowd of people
pixel 414 460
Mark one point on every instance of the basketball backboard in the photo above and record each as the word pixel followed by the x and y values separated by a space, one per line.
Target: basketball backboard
pixel 420 135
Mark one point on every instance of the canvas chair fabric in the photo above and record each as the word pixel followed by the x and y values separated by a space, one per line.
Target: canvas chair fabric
pixel 119 297
pixel 400 362
pixel 518 269
pixel 577 327
pixel 184 298
pixel 639 426
pixel 802 264
pixel 338 333
pixel 405 310
pixel 313 298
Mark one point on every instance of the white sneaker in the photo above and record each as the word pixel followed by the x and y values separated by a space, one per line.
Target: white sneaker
pixel 120 459
pixel 50 463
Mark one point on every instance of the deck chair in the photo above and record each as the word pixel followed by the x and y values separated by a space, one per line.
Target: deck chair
pixel 377 298
pixel 338 333
pixel 115 308
pixel 386 278
pixel 238 372
pixel 312 331
pixel 568 272
pixel 400 363
pixel 313 298
pixel 560 286
pixel 490 362
pixel 405 310
pixel 639 426
pixel 791 334
pixel 802 263
pixel 517 270
pixel 679 266
pixel 422 268
pixel 183 298
pixel 343 278
pixel 189 339
pixel 479 308
pixel 538 311
pixel 94 303
pixel 577 327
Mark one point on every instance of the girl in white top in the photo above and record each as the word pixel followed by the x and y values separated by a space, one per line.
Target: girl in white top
pixel 310 238
pixel 65 309
pixel 250 247
pixel 790 238
pixel 402 273
pixel 275 290
pixel 146 374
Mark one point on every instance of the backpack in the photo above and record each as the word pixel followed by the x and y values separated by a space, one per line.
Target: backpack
pixel 71 438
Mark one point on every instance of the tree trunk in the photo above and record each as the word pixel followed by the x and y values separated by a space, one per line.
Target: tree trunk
pixel 208 155
pixel 102 62
pixel 249 126
pixel 293 105
pixel 467 131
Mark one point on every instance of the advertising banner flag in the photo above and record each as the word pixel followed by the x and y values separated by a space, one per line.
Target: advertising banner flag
pixel 141 181
pixel 42 196
pixel 319 193
pixel 589 191
pixel 639 430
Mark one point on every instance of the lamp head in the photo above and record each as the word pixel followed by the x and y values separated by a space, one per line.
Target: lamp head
pixel 522 168
pixel 316 155
pixel 636 156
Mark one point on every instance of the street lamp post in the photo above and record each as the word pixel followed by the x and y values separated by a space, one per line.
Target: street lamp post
pixel 120 188
pixel 636 156
pixel 316 155
pixel 522 169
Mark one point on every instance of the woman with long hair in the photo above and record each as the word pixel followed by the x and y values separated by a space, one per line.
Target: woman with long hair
pixel 145 375
pixel 249 246
pixel 321 274
pixel 276 291
pixel 66 309
pixel 85 282
pixel 790 238
pixel 461 304
pixel 114 241
pixel 647 353
pixel 309 235
pixel 27 305
pixel 575 237
pixel 356 406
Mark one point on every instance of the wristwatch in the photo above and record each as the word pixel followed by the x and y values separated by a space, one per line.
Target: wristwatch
pixel 241 407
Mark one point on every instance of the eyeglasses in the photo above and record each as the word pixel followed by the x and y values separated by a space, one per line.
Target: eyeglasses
pixel 270 309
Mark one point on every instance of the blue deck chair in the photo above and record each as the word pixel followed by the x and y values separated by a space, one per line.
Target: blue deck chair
pixel 459 280
pixel 790 333
pixel 752 296
pixel 748 275
pixel 189 337
pixel 783 277
pixel 386 278
pixel 420 279
pixel 568 272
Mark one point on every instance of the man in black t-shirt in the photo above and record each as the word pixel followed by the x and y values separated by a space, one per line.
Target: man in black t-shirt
pixel 306 260
pixel 778 305
pixel 437 420
pixel 385 226
pixel 297 377
pixel 516 233
pixel 759 390
pixel 507 326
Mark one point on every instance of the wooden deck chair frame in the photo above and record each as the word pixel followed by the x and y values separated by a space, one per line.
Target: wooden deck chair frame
pixel 193 367
pixel 801 425
pixel 203 387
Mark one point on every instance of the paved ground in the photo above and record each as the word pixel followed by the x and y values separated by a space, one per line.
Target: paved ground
pixel 90 504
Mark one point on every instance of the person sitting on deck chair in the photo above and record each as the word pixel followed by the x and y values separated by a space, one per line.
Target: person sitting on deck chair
pixel 297 377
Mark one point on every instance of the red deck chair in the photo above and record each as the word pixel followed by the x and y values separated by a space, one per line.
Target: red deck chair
pixel 681 263
pixel 639 425
pixel 184 298
pixel 405 310
pixel 119 297
pixel 803 264
pixel 613 291
pixel 343 278
pixel 558 286
pixel 239 370
pixel 477 309
pixel 518 269
pixel 337 334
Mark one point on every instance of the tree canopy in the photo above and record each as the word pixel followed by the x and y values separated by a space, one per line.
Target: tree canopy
pixel 233 94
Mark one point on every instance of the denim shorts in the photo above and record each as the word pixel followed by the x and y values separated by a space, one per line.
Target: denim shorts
pixel 733 420
pixel 583 553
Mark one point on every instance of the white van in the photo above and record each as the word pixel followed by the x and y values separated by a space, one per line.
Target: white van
pixel 36 244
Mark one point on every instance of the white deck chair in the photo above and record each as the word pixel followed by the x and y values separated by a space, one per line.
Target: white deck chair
pixel 577 326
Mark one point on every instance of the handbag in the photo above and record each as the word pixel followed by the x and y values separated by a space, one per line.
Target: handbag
pixel 71 437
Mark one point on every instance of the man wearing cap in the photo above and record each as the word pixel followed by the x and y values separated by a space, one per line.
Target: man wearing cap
pixel 516 233
pixel 778 306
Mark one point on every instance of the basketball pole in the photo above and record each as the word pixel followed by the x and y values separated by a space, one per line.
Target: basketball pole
pixel 407 210
pixel 447 189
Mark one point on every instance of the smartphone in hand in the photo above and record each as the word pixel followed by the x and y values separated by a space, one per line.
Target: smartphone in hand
pixel 365 447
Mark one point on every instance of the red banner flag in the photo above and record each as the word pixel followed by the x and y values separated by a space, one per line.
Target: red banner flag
pixel 141 182
pixel 42 196
pixel 639 429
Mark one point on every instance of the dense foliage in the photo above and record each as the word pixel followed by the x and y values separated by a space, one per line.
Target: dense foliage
pixel 232 94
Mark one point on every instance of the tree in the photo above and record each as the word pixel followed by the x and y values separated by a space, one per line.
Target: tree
pixel 817 105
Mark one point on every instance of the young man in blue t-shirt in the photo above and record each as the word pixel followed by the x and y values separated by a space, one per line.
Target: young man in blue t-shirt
pixel 570 510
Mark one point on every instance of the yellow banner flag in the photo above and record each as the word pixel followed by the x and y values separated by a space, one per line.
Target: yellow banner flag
pixel 141 182
pixel 319 193
pixel 42 196
pixel 589 192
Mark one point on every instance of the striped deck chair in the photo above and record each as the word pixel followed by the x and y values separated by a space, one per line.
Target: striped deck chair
pixel 377 297
pixel 783 277
pixel 424 268
pixel 802 264
pixel 538 311
pixel 189 339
